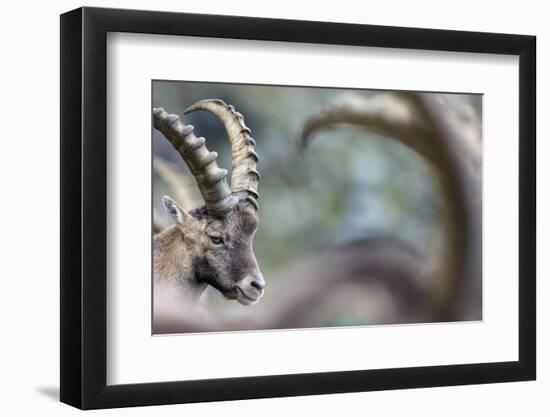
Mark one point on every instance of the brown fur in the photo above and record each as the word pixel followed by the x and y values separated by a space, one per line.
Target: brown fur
pixel 187 260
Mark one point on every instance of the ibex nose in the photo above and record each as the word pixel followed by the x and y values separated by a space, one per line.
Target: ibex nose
pixel 259 285
pixel 250 289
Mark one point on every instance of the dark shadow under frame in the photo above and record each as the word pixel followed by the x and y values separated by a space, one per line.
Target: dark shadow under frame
pixel 84 207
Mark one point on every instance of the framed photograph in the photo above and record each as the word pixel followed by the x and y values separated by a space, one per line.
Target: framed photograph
pixel 257 208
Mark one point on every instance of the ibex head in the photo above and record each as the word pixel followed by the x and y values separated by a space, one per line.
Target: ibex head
pixel 215 240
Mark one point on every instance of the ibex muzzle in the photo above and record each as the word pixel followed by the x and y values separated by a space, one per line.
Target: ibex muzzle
pixel 212 245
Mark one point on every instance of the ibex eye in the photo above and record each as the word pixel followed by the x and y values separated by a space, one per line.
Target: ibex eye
pixel 216 240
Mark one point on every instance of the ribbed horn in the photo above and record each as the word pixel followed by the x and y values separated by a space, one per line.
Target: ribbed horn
pixel 244 175
pixel 389 114
pixel 202 163
pixel 394 115
pixel 432 129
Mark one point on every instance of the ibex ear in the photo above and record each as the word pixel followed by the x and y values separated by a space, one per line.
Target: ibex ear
pixel 174 210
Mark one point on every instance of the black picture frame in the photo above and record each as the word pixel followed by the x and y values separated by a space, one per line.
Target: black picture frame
pixel 84 207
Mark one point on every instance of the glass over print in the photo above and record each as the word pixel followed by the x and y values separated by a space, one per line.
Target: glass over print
pixel 281 207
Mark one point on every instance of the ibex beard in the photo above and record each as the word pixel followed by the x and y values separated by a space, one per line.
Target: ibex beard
pixel 212 244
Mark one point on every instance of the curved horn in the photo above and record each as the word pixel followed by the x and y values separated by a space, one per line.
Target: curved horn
pixel 244 175
pixel 202 163
pixel 396 115
pixel 464 196
pixel 386 114
pixel 425 125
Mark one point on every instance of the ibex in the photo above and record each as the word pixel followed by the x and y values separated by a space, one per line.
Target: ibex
pixel 212 244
